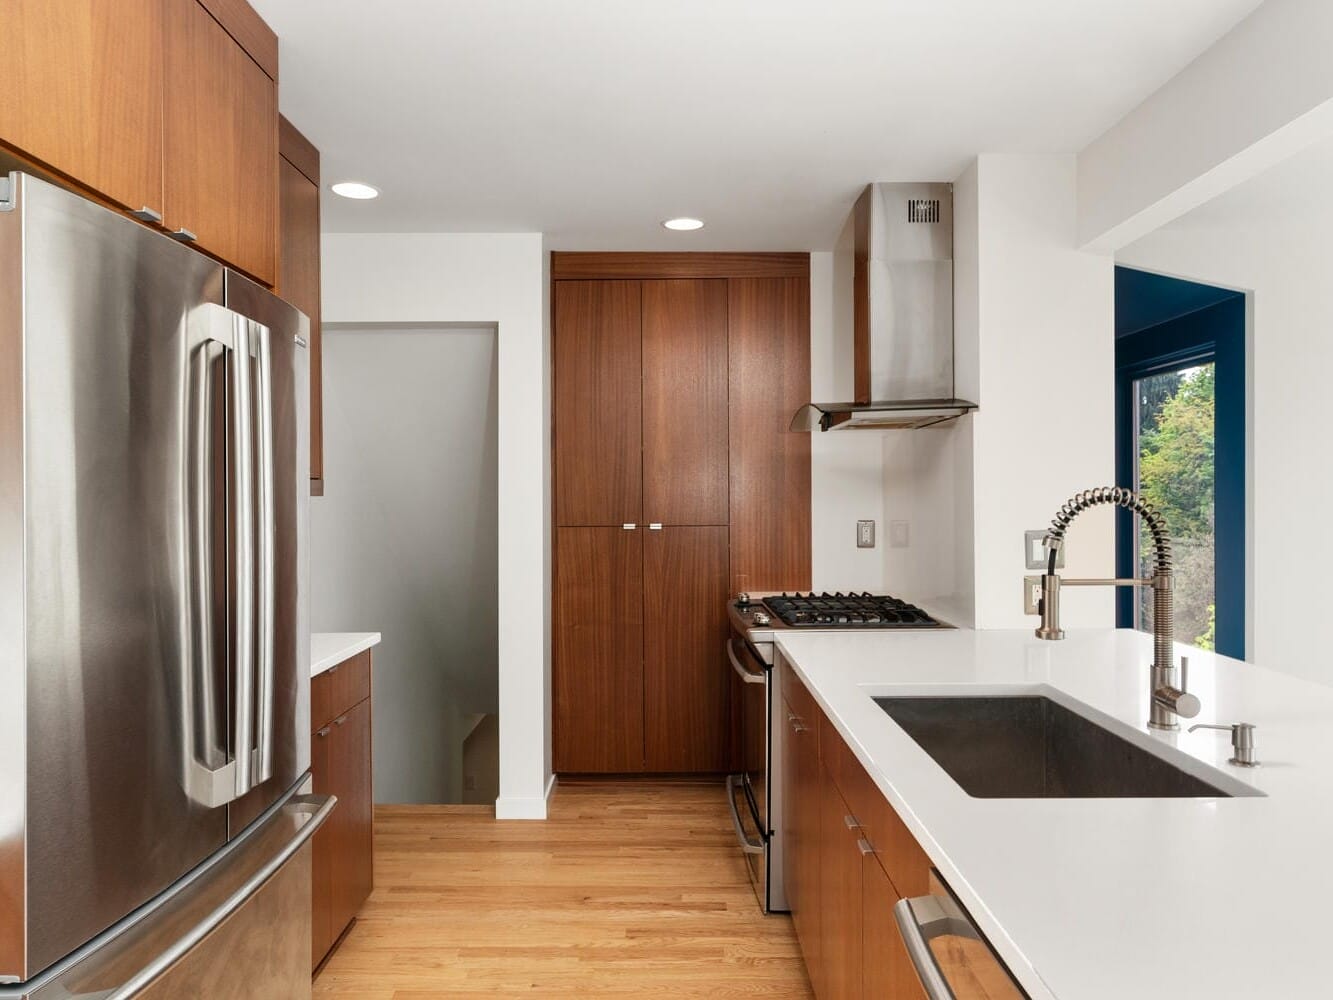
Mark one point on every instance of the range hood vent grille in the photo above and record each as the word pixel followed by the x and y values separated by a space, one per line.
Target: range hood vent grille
pixel 923 210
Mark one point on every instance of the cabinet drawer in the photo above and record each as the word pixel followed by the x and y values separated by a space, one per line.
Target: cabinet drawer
pixel 339 688
pixel 799 698
pixel 902 858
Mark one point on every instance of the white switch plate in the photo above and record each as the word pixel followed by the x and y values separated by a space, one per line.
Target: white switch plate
pixel 1036 554
pixel 900 534
pixel 865 534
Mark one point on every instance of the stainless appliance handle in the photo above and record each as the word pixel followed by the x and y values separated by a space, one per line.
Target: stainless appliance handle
pixel 211 328
pixel 266 603
pixel 922 919
pixel 318 807
pixel 244 527
pixel 747 845
pixel 739 667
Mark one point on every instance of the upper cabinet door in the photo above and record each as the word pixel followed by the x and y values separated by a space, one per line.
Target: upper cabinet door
pixel 82 86
pixel 769 331
pixel 598 402
pixel 221 139
pixel 685 402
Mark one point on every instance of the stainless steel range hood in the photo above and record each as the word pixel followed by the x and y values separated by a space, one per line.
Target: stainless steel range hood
pixel 903 314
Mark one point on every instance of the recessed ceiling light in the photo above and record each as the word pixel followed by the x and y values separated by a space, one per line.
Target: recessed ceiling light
pixel 683 225
pixel 355 189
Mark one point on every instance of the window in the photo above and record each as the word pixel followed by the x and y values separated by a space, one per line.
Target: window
pixel 1180 392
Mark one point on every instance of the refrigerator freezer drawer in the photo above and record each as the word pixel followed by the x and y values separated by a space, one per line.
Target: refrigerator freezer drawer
pixel 238 930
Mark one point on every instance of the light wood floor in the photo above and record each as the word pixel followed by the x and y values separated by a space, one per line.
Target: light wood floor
pixel 627 890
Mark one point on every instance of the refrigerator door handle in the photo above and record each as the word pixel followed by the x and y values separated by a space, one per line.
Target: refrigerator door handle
pixel 243 508
pixel 205 783
pixel 266 604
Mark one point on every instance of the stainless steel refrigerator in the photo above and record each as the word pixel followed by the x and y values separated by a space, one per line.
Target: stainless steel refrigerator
pixel 154 643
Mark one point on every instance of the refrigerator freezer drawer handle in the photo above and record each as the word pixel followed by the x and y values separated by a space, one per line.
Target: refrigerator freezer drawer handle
pixel 266 573
pixel 317 808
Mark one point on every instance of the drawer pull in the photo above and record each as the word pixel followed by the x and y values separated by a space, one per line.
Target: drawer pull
pixel 323 732
pixel 184 235
pixel 865 847
pixel 340 721
pixel 851 822
pixel 147 214
pixel 333 669
pixel 797 726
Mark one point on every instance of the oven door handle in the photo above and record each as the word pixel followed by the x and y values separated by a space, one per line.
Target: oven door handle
pixel 747 845
pixel 736 665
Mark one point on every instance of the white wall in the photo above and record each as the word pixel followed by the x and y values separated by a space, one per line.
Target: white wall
pixel 1045 362
pixel 846 468
pixel 432 279
pixel 404 540
pixel 1279 251
pixel 1259 95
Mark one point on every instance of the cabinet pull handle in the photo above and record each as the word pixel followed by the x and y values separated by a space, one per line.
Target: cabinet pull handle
pixel 629 525
pixel 865 847
pixel 655 526
pixel 333 669
pixel 796 724
pixel 323 732
pixel 339 722
pixel 851 822
pixel 147 214
pixel 183 234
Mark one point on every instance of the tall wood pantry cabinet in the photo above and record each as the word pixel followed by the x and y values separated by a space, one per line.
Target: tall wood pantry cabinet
pixel 676 482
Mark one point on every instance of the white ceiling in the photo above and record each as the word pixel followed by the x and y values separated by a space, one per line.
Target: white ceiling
pixel 592 120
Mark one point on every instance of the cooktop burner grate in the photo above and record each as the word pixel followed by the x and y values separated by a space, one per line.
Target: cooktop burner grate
pixel 847 611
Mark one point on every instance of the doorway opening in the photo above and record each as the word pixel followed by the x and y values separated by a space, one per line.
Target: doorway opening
pixel 1180 442
pixel 405 542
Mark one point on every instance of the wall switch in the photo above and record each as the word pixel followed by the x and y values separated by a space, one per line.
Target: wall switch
pixel 1037 554
pixel 865 534
pixel 900 534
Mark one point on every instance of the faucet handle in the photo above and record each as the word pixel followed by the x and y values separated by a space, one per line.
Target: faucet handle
pixel 1242 741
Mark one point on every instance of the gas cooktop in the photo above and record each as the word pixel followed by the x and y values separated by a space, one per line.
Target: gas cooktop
pixel 848 611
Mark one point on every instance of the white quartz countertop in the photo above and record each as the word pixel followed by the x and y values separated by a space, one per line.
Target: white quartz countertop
pixel 330 648
pixel 1104 899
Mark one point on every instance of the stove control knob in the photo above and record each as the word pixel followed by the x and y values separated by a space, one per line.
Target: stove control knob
pixel 742 600
pixel 760 618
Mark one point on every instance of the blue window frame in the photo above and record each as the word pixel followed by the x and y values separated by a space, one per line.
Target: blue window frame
pixel 1166 325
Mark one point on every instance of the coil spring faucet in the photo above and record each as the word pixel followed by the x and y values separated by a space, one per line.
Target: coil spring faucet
pixel 1166 702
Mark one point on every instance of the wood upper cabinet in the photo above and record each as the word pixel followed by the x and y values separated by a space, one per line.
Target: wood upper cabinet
pixel 769 335
pixel 82 86
pixel 221 139
pixel 685 401
pixel 598 403
pixel 686 677
pixel 598 669
pixel 298 266
pixel 342 873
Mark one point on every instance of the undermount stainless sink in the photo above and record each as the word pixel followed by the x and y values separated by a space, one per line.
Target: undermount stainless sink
pixel 1028 746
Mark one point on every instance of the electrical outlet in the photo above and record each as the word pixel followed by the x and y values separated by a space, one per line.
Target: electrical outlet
pixel 865 534
pixel 900 534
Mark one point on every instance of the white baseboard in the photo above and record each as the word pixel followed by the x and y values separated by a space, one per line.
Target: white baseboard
pixel 513 807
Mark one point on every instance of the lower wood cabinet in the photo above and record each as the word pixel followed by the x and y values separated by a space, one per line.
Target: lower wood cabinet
pixel 641 681
pixel 841 849
pixel 340 759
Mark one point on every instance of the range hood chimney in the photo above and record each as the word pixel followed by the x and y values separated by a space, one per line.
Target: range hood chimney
pixel 903 314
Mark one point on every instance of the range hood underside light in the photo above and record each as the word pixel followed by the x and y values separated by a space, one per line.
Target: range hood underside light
pixel 900 415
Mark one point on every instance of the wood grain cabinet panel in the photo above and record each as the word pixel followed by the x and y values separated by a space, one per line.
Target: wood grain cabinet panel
pixel 801 832
pixel 769 335
pixel 598 403
pixel 886 971
pixel 220 118
pixel 598 668
pixel 298 267
pixel 686 677
pixel 342 872
pixel 685 402
pixel 82 84
pixel 839 896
